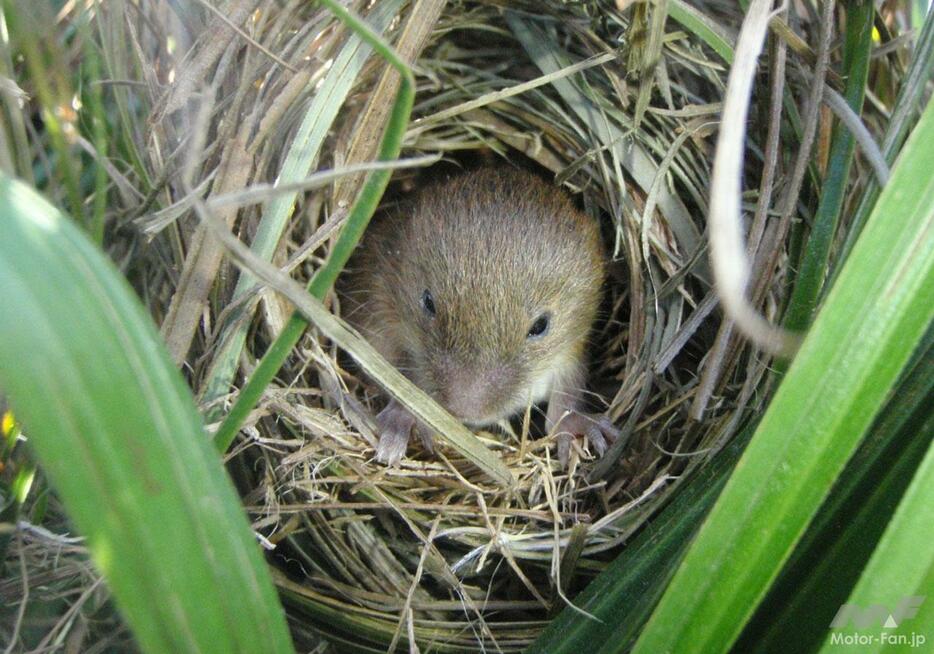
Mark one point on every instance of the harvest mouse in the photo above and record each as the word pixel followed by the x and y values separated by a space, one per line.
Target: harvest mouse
pixel 484 296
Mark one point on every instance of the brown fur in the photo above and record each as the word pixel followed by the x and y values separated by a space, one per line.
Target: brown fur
pixel 496 248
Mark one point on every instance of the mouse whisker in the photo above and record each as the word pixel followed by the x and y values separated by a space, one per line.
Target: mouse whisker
pixel 579 392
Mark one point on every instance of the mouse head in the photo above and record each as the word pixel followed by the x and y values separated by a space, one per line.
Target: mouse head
pixel 493 283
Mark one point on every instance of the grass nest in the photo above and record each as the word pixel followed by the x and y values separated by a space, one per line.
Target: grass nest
pixel 432 550
pixel 615 106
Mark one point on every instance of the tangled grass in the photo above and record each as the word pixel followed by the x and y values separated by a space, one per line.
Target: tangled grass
pixel 187 102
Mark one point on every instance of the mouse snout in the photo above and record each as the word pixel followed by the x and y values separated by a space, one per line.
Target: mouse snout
pixel 474 394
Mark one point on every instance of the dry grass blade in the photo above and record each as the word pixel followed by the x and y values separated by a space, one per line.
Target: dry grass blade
pixel 301 154
pixel 369 128
pixel 730 264
pixel 422 406
pixel 203 260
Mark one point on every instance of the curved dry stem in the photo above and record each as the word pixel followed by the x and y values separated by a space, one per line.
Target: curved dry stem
pixel 728 251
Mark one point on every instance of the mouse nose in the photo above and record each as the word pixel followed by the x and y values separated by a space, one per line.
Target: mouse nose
pixel 473 395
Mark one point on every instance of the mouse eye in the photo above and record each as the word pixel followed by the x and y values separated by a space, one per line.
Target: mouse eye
pixel 428 303
pixel 540 326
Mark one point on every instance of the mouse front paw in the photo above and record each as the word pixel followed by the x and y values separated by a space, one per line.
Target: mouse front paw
pixel 395 425
pixel 597 429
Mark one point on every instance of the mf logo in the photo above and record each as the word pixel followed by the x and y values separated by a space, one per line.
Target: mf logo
pixel 877 614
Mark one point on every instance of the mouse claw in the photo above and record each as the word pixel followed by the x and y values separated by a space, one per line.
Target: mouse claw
pixel 598 430
pixel 425 436
pixel 395 426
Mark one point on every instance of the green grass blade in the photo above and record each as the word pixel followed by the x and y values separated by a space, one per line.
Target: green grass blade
pixel 837 545
pixel 116 431
pixel 301 155
pixel 371 363
pixel 359 218
pixel 622 596
pixel 701 26
pixel 13 137
pixel 908 105
pixel 33 34
pixel 809 280
pixel 900 570
pixel 873 318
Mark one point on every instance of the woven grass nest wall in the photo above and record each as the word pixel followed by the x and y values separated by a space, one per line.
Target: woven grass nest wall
pixel 434 548
pixel 582 94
